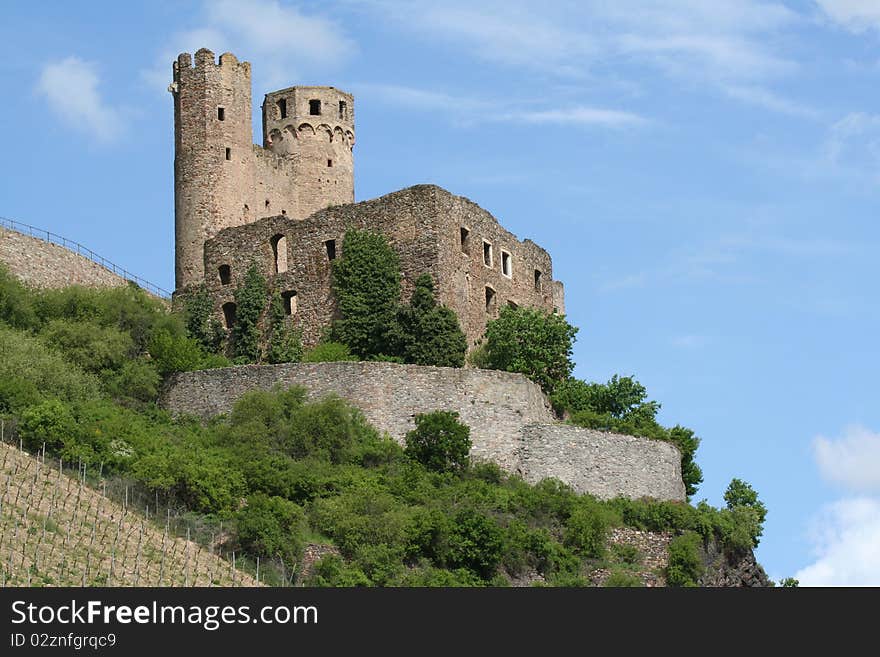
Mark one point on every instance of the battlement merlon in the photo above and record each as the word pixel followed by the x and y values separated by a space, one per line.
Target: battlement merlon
pixel 205 63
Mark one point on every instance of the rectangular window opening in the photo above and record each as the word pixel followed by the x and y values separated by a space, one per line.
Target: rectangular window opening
pixel 315 107
pixel 228 153
pixel 221 114
pixel 465 240
pixel 342 109
pixel 506 268
pixel 330 246
pixel 289 299
pixel 487 254
pixel 225 274
pixel 329 163
pixel 490 299
pixel 282 108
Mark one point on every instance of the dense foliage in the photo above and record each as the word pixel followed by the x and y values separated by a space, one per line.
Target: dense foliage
pixel 79 376
pixel 533 342
pixel 439 442
pixel 250 303
pixel 427 333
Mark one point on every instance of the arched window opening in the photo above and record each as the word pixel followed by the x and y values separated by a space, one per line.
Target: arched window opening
pixel 229 314
pixel 279 254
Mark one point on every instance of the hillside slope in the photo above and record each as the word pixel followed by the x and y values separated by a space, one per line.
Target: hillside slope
pixel 55 531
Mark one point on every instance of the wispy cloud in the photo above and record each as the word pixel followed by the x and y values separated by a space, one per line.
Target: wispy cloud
pixel 853 146
pixel 760 97
pixel 465 110
pixel 283 39
pixel 71 87
pixel 856 15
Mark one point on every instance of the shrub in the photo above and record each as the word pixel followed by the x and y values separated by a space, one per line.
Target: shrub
pixel 622 579
pixel 16 302
pixel 328 352
pixel 439 442
pixel 475 542
pixel 50 422
pixel 532 342
pixel 585 530
pixel 685 561
pixel 175 353
pixel 271 526
pixel 333 571
pixel 366 282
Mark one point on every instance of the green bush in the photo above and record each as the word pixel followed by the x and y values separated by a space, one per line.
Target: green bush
pixel 50 422
pixel 532 342
pixel 201 324
pixel 439 442
pixel 284 343
pixel 271 526
pixel 742 500
pixel 685 561
pixel 475 542
pixel 333 571
pixel 586 529
pixel 622 579
pixel 328 352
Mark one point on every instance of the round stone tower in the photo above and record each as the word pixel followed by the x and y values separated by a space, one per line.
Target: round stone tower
pixel 213 162
pixel 314 128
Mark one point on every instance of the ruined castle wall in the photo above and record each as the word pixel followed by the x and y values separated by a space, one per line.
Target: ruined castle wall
pixel 603 464
pixel 510 420
pixel 42 264
pixel 483 266
pixel 495 405
pixel 405 218
pixel 423 225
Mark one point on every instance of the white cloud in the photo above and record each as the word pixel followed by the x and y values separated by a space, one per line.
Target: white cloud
pixel 853 144
pixel 857 15
pixel 845 536
pixel 721 40
pixel 464 110
pixel 279 39
pixel 852 460
pixel 760 97
pixel 71 88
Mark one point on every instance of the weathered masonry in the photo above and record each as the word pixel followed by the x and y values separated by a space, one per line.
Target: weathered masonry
pixel 509 417
pixel 287 204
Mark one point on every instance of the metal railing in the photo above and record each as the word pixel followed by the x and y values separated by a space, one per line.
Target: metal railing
pixel 79 249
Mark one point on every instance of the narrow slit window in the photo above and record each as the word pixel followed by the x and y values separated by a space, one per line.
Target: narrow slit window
pixel 229 314
pixel 538 282
pixel 289 299
pixel 315 107
pixel 228 153
pixel 267 204
pixel 329 163
pixel 225 274
pixel 490 299
pixel 279 253
pixel 487 254
pixel 465 240
pixel 506 267
pixel 221 114
pixel 330 246
pixel 343 108
pixel 282 108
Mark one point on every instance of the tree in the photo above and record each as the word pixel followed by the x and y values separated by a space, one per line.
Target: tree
pixel 427 333
pixel 439 442
pixel 201 324
pixel 250 302
pixel 366 282
pixel 742 499
pixel 284 343
pixel 532 342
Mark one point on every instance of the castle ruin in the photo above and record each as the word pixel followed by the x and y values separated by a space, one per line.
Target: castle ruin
pixel 287 204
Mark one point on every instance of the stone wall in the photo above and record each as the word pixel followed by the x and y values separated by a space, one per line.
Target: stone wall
pixel 424 226
pixel 509 417
pixel 43 264
pixel 605 464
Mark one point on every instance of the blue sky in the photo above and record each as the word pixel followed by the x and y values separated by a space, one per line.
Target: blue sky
pixel 705 175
